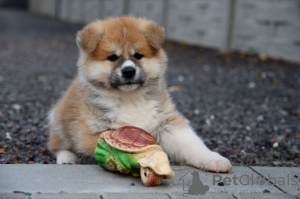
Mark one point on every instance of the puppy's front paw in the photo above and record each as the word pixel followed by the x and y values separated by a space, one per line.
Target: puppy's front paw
pixel 65 157
pixel 214 162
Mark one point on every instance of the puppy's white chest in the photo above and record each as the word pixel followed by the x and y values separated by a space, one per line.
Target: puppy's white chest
pixel 138 113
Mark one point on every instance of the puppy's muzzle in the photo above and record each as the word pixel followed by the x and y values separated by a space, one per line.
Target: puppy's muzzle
pixel 128 72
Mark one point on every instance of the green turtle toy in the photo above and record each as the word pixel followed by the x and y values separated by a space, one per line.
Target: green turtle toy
pixel 131 149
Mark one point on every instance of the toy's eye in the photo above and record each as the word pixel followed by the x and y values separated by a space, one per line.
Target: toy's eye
pixel 113 57
pixel 145 173
pixel 138 56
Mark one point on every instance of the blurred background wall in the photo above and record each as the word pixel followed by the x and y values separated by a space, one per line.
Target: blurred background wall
pixel 270 27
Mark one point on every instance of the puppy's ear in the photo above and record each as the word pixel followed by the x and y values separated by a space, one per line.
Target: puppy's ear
pixel 154 34
pixel 89 37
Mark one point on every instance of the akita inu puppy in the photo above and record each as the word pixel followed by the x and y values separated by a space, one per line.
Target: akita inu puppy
pixel 121 82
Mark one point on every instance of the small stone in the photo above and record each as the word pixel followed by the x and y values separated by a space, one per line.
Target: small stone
pixel 196 111
pixel 17 107
pixel 221 183
pixel 132 184
pixel 180 78
pixel 280 138
pixel 295 176
pixel 266 191
pixel 283 112
pixel 7 135
pixel 248 128
pixel 174 88
pixel 263 75
pixel 212 117
pixel 277 163
pixel 207 121
pixel 275 145
pixel 260 118
pixel 251 85
pixel 243 152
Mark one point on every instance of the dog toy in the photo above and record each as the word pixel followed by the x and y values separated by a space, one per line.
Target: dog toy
pixel 131 149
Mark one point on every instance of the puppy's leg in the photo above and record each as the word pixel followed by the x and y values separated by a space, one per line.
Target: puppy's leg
pixel 182 144
pixel 56 146
pixel 58 143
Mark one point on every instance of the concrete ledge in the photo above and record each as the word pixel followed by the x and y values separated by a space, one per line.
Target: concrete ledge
pixel 134 195
pixel 263 196
pixel 91 181
pixel 65 196
pixel 13 196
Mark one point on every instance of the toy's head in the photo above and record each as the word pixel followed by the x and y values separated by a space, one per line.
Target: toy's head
pixel 154 168
pixel 149 177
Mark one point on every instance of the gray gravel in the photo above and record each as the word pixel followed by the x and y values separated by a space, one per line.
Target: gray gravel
pixel 245 108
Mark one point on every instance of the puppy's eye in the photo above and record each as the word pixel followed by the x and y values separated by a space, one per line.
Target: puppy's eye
pixel 145 173
pixel 138 56
pixel 113 57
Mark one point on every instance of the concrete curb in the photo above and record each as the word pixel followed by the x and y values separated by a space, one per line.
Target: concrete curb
pixel 91 181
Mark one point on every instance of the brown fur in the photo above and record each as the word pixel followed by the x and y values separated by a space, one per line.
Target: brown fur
pixel 99 37
pixel 90 36
pixel 72 112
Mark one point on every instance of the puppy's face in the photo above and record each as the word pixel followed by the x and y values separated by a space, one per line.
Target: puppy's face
pixel 121 53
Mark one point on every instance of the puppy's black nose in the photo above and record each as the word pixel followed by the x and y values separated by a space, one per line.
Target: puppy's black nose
pixel 128 72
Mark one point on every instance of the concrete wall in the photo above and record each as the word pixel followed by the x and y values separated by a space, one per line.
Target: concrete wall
pixel 199 22
pixel 268 26
pixel 45 7
pixel 265 26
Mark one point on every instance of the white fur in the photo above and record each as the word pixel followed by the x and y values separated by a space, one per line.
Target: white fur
pixel 53 123
pixel 130 110
pixel 156 66
pixel 51 116
pixel 65 157
pixel 128 87
pixel 128 63
pixel 185 146
pixel 125 109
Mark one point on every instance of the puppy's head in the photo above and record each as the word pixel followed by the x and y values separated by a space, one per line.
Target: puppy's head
pixel 121 53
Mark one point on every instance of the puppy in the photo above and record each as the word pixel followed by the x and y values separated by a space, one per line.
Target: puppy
pixel 121 82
